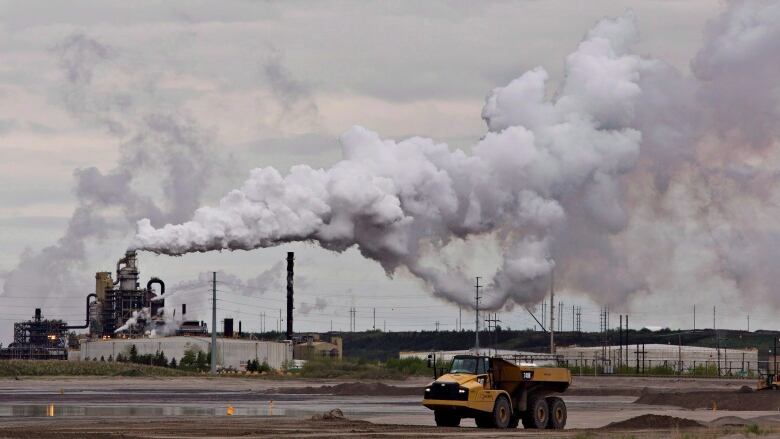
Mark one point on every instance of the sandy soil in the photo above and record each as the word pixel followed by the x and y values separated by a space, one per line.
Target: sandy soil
pixel 196 407
pixel 293 427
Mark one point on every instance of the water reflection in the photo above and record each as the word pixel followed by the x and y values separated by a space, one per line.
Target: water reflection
pixel 69 410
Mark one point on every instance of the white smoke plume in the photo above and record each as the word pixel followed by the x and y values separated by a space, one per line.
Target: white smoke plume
pixel 319 304
pixel 599 179
pixel 156 144
pixel 144 315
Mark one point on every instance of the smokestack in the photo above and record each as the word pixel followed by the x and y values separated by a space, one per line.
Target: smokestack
pixel 290 263
pixel 227 331
pixel 183 310
pixel 38 314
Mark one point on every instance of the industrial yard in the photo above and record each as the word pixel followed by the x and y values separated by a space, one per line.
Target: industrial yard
pixel 198 407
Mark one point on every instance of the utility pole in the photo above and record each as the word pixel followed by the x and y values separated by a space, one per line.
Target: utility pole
pixel 552 313
pixel 717 338
pixel 476 317
pixel 374 319
pixel 620 341
pixel 460 316
pixel 494 320
pixel 214 324
pixel 626 337
pixel 748 323
pixel 694 317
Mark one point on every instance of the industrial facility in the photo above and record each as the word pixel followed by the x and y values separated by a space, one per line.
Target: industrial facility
pixel 120 314
pixel 122 305
pixel 39 338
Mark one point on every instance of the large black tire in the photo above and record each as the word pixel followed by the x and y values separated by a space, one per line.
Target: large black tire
pixel 557 413
pixel 446 418
pixel 502 412
pixel 537 413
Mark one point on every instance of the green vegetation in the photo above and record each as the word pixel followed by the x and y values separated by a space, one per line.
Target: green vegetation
pixel 13 368
pixel 256 366
pixel 378 345
pixel 367 369
pixel 195 360
pixel 754 429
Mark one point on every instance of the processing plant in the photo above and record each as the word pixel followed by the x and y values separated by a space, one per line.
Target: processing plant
pixel 122 299
pixel 40 339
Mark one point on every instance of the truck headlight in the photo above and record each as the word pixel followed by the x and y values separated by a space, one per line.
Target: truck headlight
pixel 461 391
pixel 427 389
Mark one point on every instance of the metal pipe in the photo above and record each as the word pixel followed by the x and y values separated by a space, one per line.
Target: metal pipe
pixel 86 323
pixel 122 260
pixel 156 280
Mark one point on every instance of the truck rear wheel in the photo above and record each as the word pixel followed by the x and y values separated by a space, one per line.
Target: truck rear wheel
pixel 537 414
pixel 557 413
pixel 446 419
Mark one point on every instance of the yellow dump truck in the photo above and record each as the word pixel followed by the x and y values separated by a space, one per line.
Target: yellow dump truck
pixel 498 394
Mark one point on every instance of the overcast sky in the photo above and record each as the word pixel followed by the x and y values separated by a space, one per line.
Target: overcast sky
pixel 275 84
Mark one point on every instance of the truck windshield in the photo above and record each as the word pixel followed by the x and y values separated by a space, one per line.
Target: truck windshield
pixel 463 365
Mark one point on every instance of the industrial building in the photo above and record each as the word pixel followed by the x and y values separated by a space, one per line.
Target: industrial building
pixel 40 339
pixel 310 346
pixel 120 313
pixel 122 300
pixel 231 353
pixel 677 357
pixel 642 358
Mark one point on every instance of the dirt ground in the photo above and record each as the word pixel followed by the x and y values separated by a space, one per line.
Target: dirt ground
pixel 294 427
pixel 714 399
pixel 198 407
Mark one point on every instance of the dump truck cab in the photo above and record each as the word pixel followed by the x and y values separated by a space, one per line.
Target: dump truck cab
pixel 498 394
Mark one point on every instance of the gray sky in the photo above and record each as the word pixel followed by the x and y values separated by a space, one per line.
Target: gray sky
pixel 274 84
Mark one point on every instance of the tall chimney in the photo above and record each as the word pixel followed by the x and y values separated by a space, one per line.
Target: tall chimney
pixel 290 307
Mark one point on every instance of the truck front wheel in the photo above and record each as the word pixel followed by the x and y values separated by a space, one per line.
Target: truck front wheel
pixel 502 412
pixel 446 419
pixel 537 414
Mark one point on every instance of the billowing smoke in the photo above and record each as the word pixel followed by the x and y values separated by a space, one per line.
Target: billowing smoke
pixel 157 146
pixel 319 305
pixel 162 325
pixel 138 317
pixel 600 179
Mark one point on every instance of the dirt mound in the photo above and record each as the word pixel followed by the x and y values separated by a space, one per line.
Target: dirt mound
pixel 721 400
pixel 603 391
pixel 653 422
pixel 354 389
pixel 736 421
pixel 330 415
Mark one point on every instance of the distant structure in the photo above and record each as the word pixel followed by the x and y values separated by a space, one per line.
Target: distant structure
pixel 120 299
pixel 310 346
pixel 290 305
pixel 39 339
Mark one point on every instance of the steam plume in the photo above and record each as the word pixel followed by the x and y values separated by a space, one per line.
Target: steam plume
pixel 161 142
pixel 577 182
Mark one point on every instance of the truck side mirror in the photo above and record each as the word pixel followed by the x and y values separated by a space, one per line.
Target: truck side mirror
pixel 432 365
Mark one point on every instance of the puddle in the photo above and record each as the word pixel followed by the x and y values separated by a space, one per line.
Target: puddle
pixel 73 410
